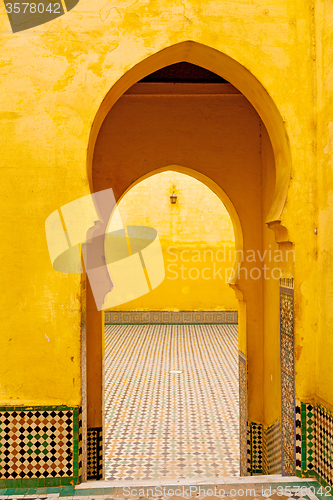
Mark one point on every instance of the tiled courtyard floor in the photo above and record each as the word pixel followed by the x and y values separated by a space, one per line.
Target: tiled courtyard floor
pixel 171 402
pixel 172 422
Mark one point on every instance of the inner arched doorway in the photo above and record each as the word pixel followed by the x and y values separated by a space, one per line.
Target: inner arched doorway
pixel 222 137
pixel 171 408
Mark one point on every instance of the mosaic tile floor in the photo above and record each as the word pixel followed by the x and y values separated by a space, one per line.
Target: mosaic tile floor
pixel 171 401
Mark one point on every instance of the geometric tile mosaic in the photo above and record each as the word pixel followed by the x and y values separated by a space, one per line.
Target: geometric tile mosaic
pixel 323 441
pixel 308 416
pixel 80 447
pixel 257 448
pixel 299 431
pixel 94 453
pixel 273 448
pixel 170 317
pixel 249 461
pixel 287 376
pixel 243 414
pixel 265 448
pixel 265 466
pixel 36 443
pixel 171 401
pixel 314 443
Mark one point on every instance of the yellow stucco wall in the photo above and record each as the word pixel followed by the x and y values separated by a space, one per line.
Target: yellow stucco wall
pixel 197 240
pixel 55 79
pixel 323 246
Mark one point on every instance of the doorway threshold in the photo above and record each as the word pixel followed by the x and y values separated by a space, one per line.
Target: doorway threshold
pixel 192 481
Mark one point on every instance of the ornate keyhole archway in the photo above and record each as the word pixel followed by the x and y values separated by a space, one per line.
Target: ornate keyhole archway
pixel 261 173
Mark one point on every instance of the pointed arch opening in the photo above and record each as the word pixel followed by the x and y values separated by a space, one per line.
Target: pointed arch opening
pixel 237 143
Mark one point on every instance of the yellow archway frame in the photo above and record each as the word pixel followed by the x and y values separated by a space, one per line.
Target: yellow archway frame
pixel 252 89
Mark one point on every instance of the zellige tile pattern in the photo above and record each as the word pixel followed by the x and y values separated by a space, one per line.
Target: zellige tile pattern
pixel 273 444
pixel 244 466
pixel 37 444
pixel 323 441
pixel 257 434
pixel 170 317
pixel 94 451
pixel 171 401
pixel 287 376
pixel 314 442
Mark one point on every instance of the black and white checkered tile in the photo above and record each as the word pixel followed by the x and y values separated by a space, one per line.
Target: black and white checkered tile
pixel 94 453
pixel 324 444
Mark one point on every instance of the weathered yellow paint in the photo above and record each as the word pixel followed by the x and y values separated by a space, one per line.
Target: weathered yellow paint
pixel 55 94
pixel 197 240
pixel 321 249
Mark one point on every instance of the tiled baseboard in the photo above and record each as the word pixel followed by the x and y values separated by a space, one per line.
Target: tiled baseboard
pixel 256 438
pixel 314 442
pixel 287 344
pixel 273 448
pixel 314 445
pixel 95 453
pixel 39 446
pixel 170 317
pixel 264 448
pixel 244 458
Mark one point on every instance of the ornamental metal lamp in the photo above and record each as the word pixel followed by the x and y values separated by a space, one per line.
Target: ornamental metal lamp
pixel 173 198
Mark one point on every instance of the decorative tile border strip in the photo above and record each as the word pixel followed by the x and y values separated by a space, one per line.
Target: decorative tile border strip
pixel 305 437
pixel 287 376
pixel 249 470
pixel 170 317
pixel 315 442
pixel 243 414
pixel 265 466
pixel 309 422
pixel 80 444
pixel 273 447
pixel 95 453
pixel 265 448
pixel 323 440
pixel 299 432
pixel 287 282
pixel 39 446
pixel 256 438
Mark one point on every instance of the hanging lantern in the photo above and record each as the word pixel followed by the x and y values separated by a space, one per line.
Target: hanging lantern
pixel 173 198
